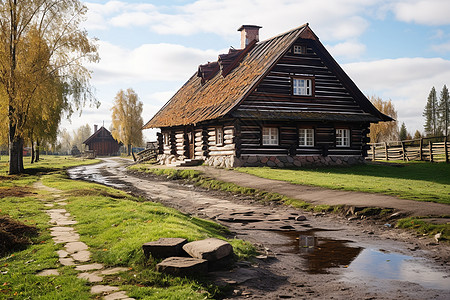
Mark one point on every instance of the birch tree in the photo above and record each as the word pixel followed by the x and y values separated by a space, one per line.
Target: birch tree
pixel 384 131
pixel 127 119
pixel 41 40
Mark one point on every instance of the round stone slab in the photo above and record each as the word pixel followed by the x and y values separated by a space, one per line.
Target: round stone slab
pixel 48 272
pixel 183 266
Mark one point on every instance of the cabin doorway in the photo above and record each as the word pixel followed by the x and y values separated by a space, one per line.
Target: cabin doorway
pixel 191 143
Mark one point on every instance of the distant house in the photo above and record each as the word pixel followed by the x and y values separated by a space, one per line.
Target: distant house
pixel 280 102
pixel 102 142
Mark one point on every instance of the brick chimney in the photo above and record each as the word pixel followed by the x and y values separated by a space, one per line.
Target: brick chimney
pixel 248 34
pixel 95 128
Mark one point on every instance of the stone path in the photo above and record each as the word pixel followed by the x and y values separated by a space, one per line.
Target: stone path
pixel 76 253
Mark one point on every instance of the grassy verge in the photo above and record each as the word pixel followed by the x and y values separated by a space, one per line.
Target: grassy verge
pixel 419 181
pixel 195 177
pixel 114 225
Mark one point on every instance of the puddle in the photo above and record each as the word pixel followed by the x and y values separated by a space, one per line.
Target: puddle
pixel 92 174
pixel 321 253
pixel 363 264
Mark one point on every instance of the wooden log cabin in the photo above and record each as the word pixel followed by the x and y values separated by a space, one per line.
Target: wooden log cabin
pixel 102 143
pixel 280 102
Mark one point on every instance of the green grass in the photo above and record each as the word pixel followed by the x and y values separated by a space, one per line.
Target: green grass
pixel 421 225
pixel 114 225
pixel 419 181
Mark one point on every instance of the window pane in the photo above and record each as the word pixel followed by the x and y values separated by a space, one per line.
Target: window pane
pixel 302 87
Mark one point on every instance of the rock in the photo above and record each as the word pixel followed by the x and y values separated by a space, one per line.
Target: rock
pixel 103 289
pixel 183 266
pixel 48 272
pixel 210 249
pixel 300 218
pixel 164 247
pixel 89 267
pixel 437 237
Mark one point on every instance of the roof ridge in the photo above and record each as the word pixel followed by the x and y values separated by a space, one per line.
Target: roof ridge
pixel 284 33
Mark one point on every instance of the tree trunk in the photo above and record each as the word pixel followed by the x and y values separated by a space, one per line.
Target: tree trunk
pixel 21 168
pixel 38 148
pixel 32 151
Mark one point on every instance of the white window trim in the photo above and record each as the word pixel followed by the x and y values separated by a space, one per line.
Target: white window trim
pixel 219 136
pixel 303 133
pixel 299 49
pixel 166 138
pixel 302 86
pixel 270 136
pixel 342 137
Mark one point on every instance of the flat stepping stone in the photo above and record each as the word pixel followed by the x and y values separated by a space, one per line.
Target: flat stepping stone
pixel 91 277
pixel 62 253
pixel 164 247
pixel 61 229
pixel 113 271
pixel 211 249
pixel 82 256
pixel 68 261
pixel 49 204
pixel 183 266
pixel 61 237
pixel 103 289
pixel 122 295
pixel 48 272
pixel 89 267
pixel 64 223
pixel 76 247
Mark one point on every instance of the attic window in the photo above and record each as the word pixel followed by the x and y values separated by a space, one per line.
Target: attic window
pixel 299 49
pixel 302 86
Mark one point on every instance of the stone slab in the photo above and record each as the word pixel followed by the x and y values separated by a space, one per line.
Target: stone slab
pixel 183 266
pixel 113 271
pixel 68 261
pixel 211 249
pixel 100 289
pixel 48 272
pixel 164 247
pixel 62 253
pixel 89 267
pixel 91 277
pixel 122 295
pixel 82 256
pixel 76 247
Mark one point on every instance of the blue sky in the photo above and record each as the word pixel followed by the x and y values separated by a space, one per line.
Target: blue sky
pixel 394 49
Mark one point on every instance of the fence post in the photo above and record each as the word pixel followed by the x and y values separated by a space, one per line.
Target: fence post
pixel 446 149
pixel 386 154
pixel 431 152
pixel 404 151
pixel 373 151
pixel 421 149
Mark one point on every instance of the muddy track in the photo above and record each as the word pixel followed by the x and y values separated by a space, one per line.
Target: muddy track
pixel 303 255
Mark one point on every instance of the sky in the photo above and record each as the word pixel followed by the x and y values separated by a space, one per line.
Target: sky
pixel 393 49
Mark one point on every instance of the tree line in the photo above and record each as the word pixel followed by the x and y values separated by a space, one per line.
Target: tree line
pixel 437 113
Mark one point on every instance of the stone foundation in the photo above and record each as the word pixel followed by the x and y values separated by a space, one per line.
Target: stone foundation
pixel 231 161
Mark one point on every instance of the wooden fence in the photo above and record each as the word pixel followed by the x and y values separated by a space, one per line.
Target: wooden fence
pixel 427 149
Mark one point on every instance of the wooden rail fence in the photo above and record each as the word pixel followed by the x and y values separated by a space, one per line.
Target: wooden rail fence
pixel 434 149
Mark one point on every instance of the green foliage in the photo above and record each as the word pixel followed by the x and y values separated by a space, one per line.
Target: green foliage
pixel 431 114
pixel 422 226
pixel 444 110
pixel 419 181
pixel 403 134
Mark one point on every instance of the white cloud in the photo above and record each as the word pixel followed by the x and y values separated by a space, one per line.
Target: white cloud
pixel 166 62
pixel 337 19
pixel 406 81
pixel 426 12
pixel 347 49
pixel 441 48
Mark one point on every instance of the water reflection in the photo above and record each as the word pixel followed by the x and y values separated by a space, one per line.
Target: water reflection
pixel 321 253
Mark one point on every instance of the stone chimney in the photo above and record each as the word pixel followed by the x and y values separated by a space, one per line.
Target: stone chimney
pixel 95 128
pixel 248 34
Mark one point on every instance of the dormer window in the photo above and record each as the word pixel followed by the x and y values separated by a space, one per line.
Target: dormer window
pixel 299 49
pixel 302 86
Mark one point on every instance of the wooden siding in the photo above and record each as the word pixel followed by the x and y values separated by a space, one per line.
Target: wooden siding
pixel 274 92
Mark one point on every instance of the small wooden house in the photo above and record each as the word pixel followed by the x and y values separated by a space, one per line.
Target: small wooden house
pixel 102 142
pixel 280 102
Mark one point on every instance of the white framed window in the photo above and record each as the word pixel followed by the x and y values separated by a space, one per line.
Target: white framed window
pixel 166 138
pixel 302 86
pixel 342 137
pixel 270 136
pixel 219 136
pixel 306 137
pixel 299 49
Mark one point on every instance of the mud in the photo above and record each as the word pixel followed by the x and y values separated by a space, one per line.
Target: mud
pixel 319 256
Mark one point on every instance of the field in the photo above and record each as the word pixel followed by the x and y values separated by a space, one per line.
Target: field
pixel 420 181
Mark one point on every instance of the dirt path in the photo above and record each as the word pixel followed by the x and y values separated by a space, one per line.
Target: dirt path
pixel 304 255
pixel 318 196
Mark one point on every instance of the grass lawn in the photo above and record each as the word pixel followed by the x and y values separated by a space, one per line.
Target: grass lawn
pixel 113 224
pixel 421 181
